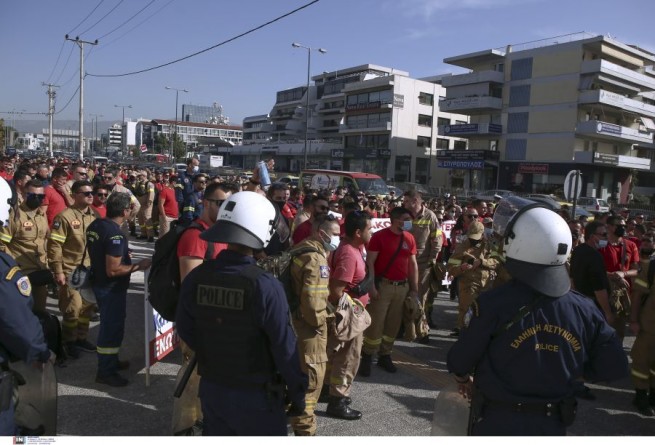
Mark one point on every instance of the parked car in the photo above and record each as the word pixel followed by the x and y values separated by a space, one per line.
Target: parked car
pixel 291 181
pixel 549 200
pixel 593 205
pixel 398 192
pixel 489 195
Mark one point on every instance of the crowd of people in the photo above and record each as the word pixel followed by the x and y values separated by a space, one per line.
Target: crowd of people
pixel 72 214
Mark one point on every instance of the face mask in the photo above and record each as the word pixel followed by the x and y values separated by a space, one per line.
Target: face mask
pixel 575 236
pixel 452 214
pixel 602 243
pixel 280 204
pixel 620 231
pixel 196 169
pixel 407 226
pixel 646 252
pixel 474 242
pixel 33 203
pixel 331 245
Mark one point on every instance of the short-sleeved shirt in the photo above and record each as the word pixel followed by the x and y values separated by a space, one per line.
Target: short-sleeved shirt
pixel 613 256
pixel 55 202
pixel 385 242
pixel 302 232
pixel 347 264
pixel 588 271
pixel 104 237
pixel 167 198
pixel 100 210
pixel 190 243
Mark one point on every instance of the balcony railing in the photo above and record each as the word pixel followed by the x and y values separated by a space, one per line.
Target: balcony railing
pixel 483 129
pixel 608 68
pixel 617 101
pixel 350 128
pixel 471 104
pixel 475 77
pixel 613 132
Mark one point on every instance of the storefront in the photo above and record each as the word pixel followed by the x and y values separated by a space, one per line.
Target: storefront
pixel 469 169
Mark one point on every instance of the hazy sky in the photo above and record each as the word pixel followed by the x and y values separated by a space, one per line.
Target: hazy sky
pixel 243 76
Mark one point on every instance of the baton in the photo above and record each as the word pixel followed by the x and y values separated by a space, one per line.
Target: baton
pixel 186 376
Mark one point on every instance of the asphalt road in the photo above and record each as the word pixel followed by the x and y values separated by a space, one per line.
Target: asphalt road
pixel 400 404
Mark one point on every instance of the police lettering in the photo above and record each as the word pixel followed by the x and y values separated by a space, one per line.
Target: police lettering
pixel 546 347
pixel 222 297
pixel 551 329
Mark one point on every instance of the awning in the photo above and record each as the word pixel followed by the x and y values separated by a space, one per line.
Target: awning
pixel 648 123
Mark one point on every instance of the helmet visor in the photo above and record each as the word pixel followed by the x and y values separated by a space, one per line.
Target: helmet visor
pixel 506 211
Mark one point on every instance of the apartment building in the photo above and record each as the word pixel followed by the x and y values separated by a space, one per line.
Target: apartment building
pixel 579 101
pixel 364 118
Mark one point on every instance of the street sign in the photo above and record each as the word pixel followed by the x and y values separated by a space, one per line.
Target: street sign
pixel 143 148
pixel 215 161
pixel 573 185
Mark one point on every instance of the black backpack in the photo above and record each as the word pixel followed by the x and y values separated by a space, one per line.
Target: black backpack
pixel 278 265
pixel 164 278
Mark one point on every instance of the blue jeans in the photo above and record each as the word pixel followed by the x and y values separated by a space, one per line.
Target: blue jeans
pixel 112 304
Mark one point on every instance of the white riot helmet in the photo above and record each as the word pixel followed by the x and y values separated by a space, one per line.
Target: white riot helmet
pixel 245 218
pixel 537 242
pixel 6 202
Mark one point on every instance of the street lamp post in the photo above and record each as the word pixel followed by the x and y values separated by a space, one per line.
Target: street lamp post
pixel 95 131
pixel 177 94
pixel 309 63
pixel 123 135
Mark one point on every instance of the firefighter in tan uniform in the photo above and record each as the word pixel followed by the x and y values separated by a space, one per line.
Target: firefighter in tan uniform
pixel 66 250
pixel 110 180
pixel 472 264
pixel 501 275
pixel 145 192
pixel 25 237
pixel 642 324
pixel 429 241
pixel 310 276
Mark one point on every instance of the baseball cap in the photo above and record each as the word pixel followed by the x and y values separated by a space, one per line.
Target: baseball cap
pixel 475 230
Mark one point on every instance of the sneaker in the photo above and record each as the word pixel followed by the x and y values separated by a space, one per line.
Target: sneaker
pixel 71 349
pixel 384 362
pixel 112 380
pixel 85 346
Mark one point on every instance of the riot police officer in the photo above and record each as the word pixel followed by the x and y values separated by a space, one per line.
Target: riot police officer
pixel 236 318
pixel 21 335
pixel 528 342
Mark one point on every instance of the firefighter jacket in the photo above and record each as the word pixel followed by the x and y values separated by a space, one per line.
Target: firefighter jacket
pixel 68 240
pixel 25 237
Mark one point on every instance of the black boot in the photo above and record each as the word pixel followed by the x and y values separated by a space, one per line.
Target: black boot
pixel 325 394
pixel 431 323
pixel 641 401
pixel 365 365
pixel 384 362
pixel 337 407
pixel 651 398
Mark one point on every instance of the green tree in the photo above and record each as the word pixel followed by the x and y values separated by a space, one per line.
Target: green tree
pixel 161 143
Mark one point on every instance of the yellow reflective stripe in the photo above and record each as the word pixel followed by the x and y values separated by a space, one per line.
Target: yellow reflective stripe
pixel 372 341
pixel 188 209
pixel 298 262
pixel 133 199
pixel 436 233
pixel 83 320
pixel 454 261
pixel 387 339
pixel 108 351
pixel 57 237
pixel 151 190
pixel 639 375
pixel 69 323
pixel 341 381
pixel 422 222
pixel 4 237
pixel 641 282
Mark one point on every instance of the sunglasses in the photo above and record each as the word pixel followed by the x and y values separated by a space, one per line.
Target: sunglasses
pixel 322 208
pixel 40 196
pixel 81 173
pixel 108 178
pixel 472 216
pixel 87 194
pixel 102 195
pixel 202 182
pixel 602 235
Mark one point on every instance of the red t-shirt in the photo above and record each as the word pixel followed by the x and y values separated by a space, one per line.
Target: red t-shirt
pixel 385 242
pixel 612 256
pixel 347 264
pixel 55 202
pixel 101 210
pixel 190 244
pixel 302 232
pixel 167 197
pixel 7 176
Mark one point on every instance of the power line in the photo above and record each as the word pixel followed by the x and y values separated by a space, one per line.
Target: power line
pixel 85 18
pixel 126 21
pixel 65 64
pixel 61 48
pixel 69 101
pixel 250 31
pixel 103 17
pixel 105 45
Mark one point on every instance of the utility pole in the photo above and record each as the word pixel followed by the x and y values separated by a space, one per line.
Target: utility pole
pixel 95 131
pixel 51 112
pixel 81 43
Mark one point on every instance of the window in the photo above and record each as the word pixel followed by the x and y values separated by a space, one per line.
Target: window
pixel 460 145
pixel 516 149
pixel 422 141
pixel 426 99
pixel 352 100
pixel 424 120
pixel 443 121
pixel 521 69
pixel 519 96
pixel 442 144
pixel 517 122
